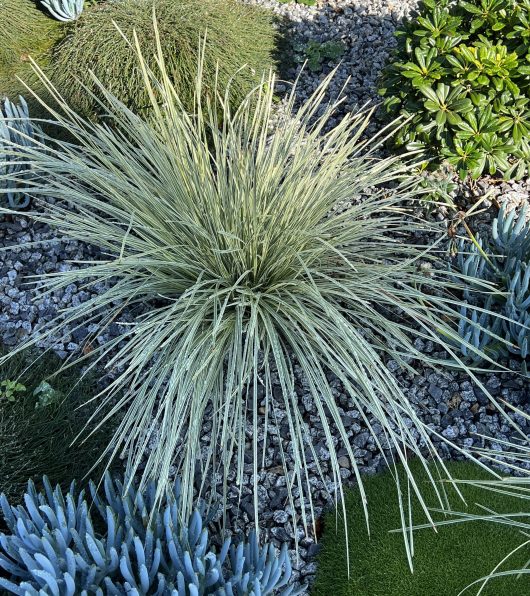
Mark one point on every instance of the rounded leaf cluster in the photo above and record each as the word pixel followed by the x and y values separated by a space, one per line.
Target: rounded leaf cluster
pixel 461 74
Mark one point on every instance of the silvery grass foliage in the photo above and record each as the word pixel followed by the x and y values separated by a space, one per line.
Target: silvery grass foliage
pixel 15 128
pixel 64 10
pixel 139 547
pixel 224 223
pixel 514 456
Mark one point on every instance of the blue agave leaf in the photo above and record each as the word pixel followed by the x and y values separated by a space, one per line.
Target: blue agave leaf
pixel 155 563
pixel 145 581
pixel 48 581
pixel 8 565
pixel 30 590
pixel 34 512
pixel 70 563
pixel 60 544
pixel 96 550
pixel 46 564
pixel 7 512
pixel 90 577
pixel 114 560
pixel 188 567
pixel 181 584
pixel 125 567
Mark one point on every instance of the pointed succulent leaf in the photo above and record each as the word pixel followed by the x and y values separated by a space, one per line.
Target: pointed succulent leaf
pixel 64 10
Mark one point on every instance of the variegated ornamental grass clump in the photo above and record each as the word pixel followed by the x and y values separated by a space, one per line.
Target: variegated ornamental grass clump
pixel 223 223
pixel 122 542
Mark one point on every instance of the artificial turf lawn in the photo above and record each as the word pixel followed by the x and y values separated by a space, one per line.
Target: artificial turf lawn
pixel 444 563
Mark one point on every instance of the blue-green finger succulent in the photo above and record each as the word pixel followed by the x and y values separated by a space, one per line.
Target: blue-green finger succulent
pixel 497 322
pixel 134 547
pixel 15 127
pixel 64 10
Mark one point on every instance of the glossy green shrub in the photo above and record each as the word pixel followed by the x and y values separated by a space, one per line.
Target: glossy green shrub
pixel 240 41
pixel 461 73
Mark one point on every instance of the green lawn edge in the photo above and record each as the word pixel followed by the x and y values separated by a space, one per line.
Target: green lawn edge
pixel 444 563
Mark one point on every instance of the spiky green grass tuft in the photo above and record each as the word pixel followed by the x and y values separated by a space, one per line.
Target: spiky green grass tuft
pixel 444 563
pixel 25 31
pixel 225 226
pixel 38 439
pixel 238 36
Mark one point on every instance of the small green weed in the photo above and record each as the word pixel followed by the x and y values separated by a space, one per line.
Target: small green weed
pixel 46 395
pixel 10 389
pixel 306 2
pixel 315 53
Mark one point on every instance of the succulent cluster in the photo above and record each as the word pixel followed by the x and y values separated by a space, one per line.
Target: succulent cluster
pixel 497 321
pixel 64 10
pixel 15 126
pixel 53 547
pixel 461 73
